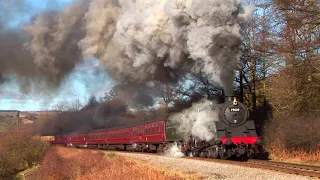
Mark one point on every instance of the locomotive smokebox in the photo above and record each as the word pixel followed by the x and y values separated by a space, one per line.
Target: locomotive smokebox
pixel 233 113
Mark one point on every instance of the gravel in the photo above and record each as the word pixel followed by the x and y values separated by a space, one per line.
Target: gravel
pixel 213 170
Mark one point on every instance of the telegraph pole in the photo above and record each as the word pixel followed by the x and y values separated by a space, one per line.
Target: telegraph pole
pixel 18 118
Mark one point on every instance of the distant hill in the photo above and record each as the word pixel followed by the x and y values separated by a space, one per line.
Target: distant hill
pixel 9 118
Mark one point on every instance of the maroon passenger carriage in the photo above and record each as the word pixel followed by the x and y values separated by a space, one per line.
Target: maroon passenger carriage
pixel 123 138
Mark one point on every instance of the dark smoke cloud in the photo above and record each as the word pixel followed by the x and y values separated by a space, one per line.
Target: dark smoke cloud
pixel 137 41
pixel 134 94
pixel 54 38
pixel 15 59
pixel 46 50
pixel 162 40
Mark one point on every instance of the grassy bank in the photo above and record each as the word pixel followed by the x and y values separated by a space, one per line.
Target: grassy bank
pixel 80 164
pixel 20 151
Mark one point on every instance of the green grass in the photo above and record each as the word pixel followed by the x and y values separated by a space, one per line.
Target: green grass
pixel 3 127
pixel 111 154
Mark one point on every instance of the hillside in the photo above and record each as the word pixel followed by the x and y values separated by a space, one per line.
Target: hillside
pixel 9 119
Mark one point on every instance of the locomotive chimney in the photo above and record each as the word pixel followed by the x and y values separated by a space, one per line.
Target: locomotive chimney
pixel 228 98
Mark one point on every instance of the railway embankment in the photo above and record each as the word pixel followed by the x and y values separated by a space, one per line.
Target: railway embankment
pixel 86 164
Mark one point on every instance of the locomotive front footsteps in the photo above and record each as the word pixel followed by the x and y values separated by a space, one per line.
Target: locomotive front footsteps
pixel 234 136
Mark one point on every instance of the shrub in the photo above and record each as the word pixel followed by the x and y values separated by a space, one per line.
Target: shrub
pixel 19 152
pixel 292 134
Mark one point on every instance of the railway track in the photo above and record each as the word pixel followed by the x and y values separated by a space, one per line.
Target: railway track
pixel 298 169
pixel 290 168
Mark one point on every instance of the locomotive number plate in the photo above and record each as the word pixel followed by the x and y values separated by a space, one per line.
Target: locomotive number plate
pixel 234 109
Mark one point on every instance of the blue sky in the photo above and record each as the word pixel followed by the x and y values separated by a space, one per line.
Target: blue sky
pixel 88 78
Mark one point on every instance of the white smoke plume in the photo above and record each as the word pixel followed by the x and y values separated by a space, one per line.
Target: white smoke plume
pixel 173 151
pixel 196 119
pixel 147 40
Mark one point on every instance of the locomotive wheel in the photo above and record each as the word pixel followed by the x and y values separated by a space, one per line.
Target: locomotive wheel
pixel 215 155
pixel 202 154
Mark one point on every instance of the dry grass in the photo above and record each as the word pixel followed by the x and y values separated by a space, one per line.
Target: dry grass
pixel 293 138
pixel 279 153
pixel 66 163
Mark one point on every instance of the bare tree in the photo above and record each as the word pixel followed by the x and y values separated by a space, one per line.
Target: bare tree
pixel 110 95
pixel 92 102
pixel 75 105
pixel 61 106
pixel 167 92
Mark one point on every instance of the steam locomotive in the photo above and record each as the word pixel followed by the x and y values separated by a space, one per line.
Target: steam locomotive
pixel 235 136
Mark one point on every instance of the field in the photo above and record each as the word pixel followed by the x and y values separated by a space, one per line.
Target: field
pixel 80 164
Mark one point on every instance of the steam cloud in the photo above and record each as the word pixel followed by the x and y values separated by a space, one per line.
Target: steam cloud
pixel 195 121
pixel 173 150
